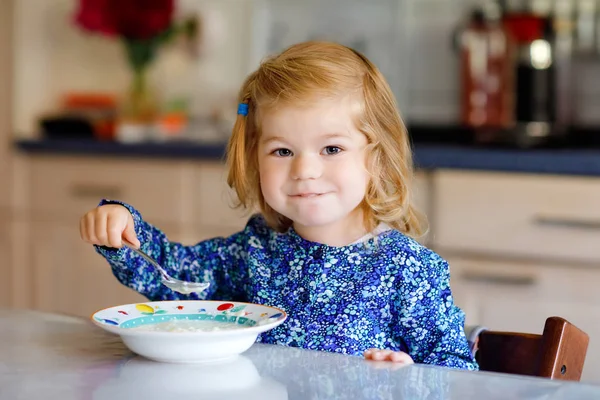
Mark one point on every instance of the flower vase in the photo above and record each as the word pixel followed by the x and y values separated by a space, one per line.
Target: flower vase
pixel 139 110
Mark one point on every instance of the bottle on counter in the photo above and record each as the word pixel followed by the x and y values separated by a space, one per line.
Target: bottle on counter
pixel 486 71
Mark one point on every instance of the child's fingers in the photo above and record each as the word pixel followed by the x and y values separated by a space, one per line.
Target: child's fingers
pixel 100 229
pixel 114 229
pixel 388 355
pixel 83 229
pixel 400 357
pixel 129 233
pixel 90 229
pixel 376 354
pixel 382 355
pixel 369 354
pixel 107 225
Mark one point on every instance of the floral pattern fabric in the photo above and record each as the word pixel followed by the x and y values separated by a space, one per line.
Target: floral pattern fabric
pixel 388 292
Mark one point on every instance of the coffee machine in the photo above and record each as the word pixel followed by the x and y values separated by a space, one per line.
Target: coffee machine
pixel 515 73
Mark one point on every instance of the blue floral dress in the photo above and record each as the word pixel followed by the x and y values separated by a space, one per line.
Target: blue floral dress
pixel 388 292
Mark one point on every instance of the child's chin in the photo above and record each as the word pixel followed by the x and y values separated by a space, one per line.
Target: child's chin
pixel 315 221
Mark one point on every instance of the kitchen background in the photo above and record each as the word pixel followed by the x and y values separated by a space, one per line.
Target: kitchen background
pixel 511 197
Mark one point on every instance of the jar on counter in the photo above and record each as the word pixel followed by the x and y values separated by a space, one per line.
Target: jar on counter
pixel 486 72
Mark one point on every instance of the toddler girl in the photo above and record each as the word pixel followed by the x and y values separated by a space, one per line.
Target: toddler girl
pixel 319 147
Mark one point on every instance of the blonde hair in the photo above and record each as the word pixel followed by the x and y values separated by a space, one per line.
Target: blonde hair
pixel 312 70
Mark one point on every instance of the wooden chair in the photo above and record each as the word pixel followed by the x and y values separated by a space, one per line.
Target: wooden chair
pixel 559 353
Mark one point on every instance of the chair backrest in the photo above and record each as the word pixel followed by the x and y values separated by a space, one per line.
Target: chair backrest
pixel 559 353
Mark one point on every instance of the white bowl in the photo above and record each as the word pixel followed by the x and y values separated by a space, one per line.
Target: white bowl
pixel 130 320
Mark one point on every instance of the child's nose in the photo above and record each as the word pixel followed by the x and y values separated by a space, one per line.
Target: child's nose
pixel 306 167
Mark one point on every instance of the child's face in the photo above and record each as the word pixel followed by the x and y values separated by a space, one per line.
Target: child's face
pixel 312 164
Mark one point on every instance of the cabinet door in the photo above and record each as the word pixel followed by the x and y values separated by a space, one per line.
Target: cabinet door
pixel 422 200
pixel 6 111
pixel 159 189
pixel 6 263
pixel 485 289
pixel 463 293
pixel 69 277
pixel 215 201
pixel 518 215
pixel 519 297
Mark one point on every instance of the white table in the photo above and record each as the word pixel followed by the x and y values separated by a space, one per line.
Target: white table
pixel 47 356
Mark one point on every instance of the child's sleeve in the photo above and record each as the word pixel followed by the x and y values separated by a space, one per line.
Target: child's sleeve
pixel 218 261
pixel 430 324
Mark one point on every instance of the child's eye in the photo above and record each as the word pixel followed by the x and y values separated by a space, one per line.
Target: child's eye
pixel 282 152
pixel 330 150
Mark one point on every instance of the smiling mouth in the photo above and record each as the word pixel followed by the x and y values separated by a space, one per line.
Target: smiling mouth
pixel 307 195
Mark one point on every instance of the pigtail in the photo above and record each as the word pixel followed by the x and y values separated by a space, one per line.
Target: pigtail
pixel 242 171
pixel 236 159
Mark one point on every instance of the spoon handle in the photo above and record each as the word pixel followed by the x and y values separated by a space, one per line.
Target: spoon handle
pixel 148 258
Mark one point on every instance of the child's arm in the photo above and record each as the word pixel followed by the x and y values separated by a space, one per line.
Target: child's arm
pixel 430 324
pixel 215 261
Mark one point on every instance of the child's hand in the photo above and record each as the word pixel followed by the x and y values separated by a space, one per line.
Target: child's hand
pixel 107 225
pixel 388 355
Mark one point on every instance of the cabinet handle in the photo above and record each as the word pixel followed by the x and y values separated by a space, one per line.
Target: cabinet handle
pixel 561 222
pixel 96 192
pixel 499 279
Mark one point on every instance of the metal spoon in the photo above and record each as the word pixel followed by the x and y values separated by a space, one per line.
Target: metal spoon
pixel 175 285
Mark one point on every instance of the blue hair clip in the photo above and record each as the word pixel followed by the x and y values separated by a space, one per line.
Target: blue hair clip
pixel 243 109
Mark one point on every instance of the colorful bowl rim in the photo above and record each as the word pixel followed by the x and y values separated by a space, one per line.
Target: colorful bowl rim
pixel 233 332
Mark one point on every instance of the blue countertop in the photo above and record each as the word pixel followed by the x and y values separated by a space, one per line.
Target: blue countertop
pixel 427 156
pixel 190 150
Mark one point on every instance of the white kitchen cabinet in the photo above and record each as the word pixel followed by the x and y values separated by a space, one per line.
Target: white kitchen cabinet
pixel 68 276
pixel 6 83
pixel 482 287
pixel 464 296
pixel 214 200
pixel 15 255
pixel 422 201
pixel 519 296
pixel 5 260
pixel 6 253
pixel 70 186
pixel 544 217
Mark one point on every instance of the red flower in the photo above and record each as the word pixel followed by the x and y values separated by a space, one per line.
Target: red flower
pixel 131 19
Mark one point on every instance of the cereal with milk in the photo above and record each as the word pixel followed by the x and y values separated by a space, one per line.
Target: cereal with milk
pixel 180 326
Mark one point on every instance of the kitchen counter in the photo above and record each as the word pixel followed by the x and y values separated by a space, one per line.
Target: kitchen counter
pixel 172 149
pixel 573 161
